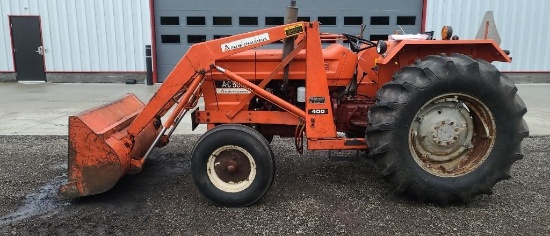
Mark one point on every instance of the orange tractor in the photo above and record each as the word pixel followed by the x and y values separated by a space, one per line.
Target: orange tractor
pixel 437 119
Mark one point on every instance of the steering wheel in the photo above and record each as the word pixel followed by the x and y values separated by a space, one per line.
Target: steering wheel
pixel 356 42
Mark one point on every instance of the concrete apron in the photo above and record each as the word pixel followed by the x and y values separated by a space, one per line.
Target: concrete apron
pixel 517 77
pixel 44 108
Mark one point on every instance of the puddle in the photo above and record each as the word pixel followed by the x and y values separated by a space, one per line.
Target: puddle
pixel 43 202
pixel 59 166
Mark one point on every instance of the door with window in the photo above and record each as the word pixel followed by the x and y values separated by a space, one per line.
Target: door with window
pixel 28 51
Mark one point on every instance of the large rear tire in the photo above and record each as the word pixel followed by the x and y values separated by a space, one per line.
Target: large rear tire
pixel 232 165
pixel 446 129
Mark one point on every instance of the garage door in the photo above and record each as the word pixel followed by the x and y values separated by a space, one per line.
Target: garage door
pixel 179 24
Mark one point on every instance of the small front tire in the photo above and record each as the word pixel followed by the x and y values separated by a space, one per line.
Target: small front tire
pixel 232 165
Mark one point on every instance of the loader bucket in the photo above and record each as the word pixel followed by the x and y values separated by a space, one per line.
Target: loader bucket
pixel 99 151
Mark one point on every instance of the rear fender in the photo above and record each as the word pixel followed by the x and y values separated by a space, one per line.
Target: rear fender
pixel 403 53
pixel 406 52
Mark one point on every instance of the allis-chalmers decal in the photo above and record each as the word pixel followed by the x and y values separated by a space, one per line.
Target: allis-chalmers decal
pixel 245 42
pixel 230 87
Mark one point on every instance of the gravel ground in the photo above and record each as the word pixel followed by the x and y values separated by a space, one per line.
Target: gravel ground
pixel 311 195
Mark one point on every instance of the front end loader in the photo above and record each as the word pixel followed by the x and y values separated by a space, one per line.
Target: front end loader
pixel 439 121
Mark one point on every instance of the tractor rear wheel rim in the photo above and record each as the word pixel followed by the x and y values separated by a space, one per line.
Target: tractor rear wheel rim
pixel 231 168
pixel 452 135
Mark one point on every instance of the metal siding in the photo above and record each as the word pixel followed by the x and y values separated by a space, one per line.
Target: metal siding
pixel 521 25
pixel 6 58
pixel 169 54
pixel 83 35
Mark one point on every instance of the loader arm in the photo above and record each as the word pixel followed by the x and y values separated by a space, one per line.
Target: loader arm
pixel 198 60
pixel 110 141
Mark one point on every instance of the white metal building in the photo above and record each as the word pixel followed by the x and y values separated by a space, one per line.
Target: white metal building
pixel 522 25
pixel 102 37
pixel 104 40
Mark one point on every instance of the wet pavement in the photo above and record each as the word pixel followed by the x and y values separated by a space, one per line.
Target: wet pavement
pixel 310 195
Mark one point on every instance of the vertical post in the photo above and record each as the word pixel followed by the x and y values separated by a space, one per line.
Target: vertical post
pixel 149 64
pixel 288 46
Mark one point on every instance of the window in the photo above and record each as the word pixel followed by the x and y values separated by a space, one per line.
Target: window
pixel 406 20
pixel 380 20
pixel 270 20
pixel 304 18
pixel 248 20
pixel 170 38
pixel 169 20
pixel 327 20
pixel 376 37
pixel 196 38
pixel 353 20
pixel 222 20
pixel 220 36
pixel 196 20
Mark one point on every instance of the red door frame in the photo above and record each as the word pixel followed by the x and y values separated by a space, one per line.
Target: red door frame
pixel 424 13
pixel 41 41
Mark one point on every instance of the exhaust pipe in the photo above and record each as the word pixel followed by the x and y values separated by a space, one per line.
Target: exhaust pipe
pixel 288 44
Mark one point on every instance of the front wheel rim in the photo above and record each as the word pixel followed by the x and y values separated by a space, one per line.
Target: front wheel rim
pixel 452 135
pixel 231 169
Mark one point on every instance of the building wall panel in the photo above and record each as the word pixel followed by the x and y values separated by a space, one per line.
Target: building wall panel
pixel 83 35
pixel 522 26
pixel 170 52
